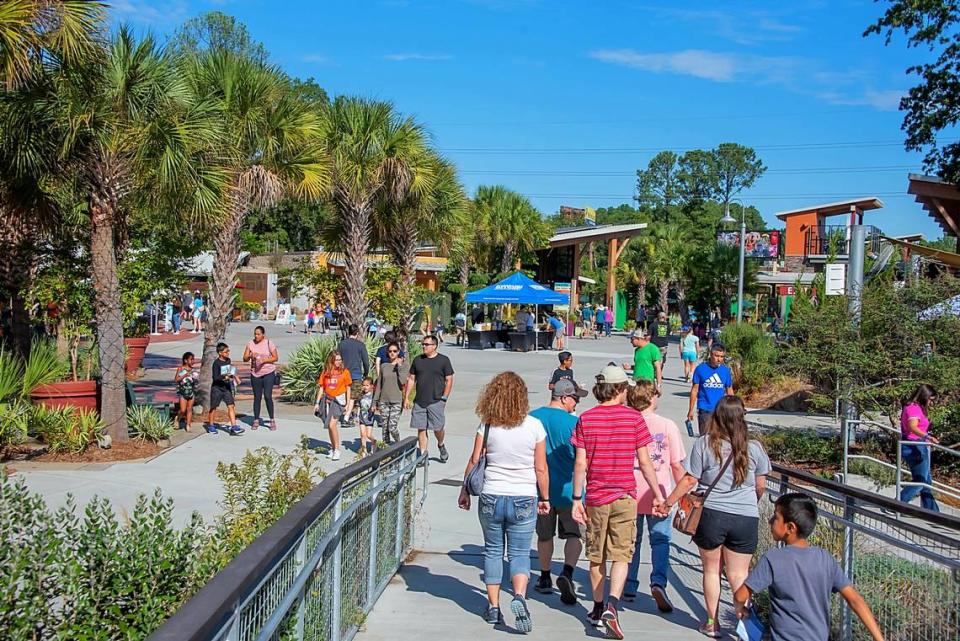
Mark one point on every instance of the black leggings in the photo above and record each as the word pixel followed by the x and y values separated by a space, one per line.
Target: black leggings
pixel 263 390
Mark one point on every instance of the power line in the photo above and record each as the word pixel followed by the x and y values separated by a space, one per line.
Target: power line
pixel 892 194
pixel 634 150
pixel 796 171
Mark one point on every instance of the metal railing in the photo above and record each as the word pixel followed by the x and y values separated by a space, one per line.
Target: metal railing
pixel 826 240
pixel 897 468
pixel 317 572
pixel 904 560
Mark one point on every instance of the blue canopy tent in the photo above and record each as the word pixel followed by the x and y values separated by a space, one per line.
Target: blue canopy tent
pixel 518 289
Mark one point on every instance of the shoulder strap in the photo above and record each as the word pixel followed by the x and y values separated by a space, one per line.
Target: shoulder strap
pixel 723 469
pixel 486 433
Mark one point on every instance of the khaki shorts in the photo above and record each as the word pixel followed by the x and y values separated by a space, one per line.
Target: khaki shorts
pixel 559 522
pixel 612 531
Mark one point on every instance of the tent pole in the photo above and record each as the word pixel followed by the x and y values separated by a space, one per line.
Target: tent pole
pixel 536 329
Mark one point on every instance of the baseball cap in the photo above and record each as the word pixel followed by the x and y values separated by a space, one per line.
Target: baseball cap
pixel 564 355
pixel 613 374
pixel 685 328
pixel 640 333
pixel 566 387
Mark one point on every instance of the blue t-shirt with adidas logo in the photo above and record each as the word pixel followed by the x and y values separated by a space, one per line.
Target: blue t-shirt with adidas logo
pixel 713 384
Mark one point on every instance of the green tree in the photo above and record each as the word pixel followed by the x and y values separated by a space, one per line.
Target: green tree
pixel 131 119
pixel 930 107
pixel 379 159
pixel 514 225
pixel 659 186
pixel 216 31
pixel 271 147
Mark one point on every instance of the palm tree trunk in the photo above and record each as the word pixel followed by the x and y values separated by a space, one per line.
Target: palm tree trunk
pixel 642 289
pixel 17 266
pixel 226 248
pixel 680 288
pixel 664 288
pixel 107 313
pixel 357 226
pixel 403 246
pixel 507 261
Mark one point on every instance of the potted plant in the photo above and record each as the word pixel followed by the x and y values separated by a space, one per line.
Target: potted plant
pixel 136 339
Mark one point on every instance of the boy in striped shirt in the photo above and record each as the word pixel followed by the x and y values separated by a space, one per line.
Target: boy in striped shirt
pixel 608 438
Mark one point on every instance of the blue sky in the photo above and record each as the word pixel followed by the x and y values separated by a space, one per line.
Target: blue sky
pixel 563 101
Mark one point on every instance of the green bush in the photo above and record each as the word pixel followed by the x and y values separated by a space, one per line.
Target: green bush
pixel 750 353
pixel 799 446
pixel 67 429
pixel 303 369
pixel 17 381
pixel 146 423
pixel 91 575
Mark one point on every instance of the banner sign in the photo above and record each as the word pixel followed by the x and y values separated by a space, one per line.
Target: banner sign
pixel 757 244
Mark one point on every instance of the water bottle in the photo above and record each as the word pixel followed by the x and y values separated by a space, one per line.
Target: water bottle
pixel 689 425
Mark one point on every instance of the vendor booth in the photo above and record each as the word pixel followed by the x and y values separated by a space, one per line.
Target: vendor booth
pixel 517 289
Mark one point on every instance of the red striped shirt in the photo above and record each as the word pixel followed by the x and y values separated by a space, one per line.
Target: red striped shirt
pixel 611 435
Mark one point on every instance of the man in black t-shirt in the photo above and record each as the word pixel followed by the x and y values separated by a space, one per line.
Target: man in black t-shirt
pixel 476 315
pixel 660 336
pixel 432 375
pixel 221 391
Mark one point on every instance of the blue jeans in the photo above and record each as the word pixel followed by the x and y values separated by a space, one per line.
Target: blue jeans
pixel 511 519
pixel 176 321
pixel 607 327
pixel 659 529
pixel 918 458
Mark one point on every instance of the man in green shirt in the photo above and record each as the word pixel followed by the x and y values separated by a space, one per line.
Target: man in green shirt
pixel 646 358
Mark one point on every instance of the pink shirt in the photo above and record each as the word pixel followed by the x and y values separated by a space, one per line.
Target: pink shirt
pixel 923 423
pixel 665 449
pixel 261 351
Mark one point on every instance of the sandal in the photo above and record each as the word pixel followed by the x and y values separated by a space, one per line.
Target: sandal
pixel 256 424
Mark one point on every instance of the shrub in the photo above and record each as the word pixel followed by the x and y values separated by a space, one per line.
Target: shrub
pixel 303 369
pixel 91 576
pixel 67 429
pixel 751 355
pixel 146 423
pixel 798 446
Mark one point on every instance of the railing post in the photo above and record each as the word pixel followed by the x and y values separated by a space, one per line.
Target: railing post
pixel 401 498
pixel 337 573
pixel 302 603
pixel 849 515
pixel 374 538
pixel 898 474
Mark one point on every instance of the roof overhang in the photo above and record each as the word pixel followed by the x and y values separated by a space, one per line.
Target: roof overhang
pixel 590 233
pixel 866 203
pixel 785 278
pixel 940 199
pixel 945 257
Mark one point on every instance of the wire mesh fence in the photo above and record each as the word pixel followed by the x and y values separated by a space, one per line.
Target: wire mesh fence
pixel 906 567
pixel 315 575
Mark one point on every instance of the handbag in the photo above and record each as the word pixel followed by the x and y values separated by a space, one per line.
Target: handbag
pixel 473 482
pixel 690 506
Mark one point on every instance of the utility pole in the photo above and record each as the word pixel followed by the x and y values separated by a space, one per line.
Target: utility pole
pixel 858 239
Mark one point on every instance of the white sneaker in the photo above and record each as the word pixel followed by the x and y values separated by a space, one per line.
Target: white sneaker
pixel 335 455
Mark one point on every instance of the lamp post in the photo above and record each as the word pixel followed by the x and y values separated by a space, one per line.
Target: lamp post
pixel 727 219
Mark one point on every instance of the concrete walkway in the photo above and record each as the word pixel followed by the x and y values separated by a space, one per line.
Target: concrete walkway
pixel 438 594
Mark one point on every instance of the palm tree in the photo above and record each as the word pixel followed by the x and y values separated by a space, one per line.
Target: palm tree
pixel 668 254
pixel 377 159
pixel 37 38
pixel 513 222
pixel 439 215
pixel 34 33
pixel 138 131
pixel 272 145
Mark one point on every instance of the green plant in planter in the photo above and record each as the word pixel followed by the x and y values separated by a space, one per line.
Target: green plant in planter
pixel 17 382
pixel 67 429
pixel 147 424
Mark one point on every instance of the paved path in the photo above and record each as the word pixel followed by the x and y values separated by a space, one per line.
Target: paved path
pixel 439 592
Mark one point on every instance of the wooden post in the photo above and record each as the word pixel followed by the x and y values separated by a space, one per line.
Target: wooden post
pixel 612 257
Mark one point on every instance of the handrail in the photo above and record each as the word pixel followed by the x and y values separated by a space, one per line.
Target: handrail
pixel 205 615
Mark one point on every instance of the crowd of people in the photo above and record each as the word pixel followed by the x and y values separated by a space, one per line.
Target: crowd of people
pixel 596 480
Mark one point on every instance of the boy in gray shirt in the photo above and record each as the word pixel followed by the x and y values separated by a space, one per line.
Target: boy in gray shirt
pixel 801 578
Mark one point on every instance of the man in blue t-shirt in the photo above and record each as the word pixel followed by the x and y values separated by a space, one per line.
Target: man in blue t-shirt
pixel 559 422
pixel 711 382
pixel 558 331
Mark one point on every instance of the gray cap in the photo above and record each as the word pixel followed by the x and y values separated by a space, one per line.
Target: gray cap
pixel 640 333
pixel 566 387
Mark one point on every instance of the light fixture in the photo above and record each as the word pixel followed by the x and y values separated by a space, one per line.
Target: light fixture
pixel 728 219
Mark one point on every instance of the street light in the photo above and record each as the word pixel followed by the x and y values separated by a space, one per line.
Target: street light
pixel 727 219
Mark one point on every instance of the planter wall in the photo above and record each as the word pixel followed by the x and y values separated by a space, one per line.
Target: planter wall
pixel 136 349
pixel 80 394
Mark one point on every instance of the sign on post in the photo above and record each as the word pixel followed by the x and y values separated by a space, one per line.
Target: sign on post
pixel 836 277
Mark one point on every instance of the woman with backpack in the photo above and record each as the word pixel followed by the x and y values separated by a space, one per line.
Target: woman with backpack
pixel 262 355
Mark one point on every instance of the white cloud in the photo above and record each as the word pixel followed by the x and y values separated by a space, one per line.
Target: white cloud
pixel 699 63
pixel 742 27
pixel 149 13
pixel 881 100
pixel 316 58
pixel 425 57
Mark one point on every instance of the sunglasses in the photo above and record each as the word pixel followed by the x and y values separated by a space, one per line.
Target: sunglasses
pixel 393 351
pixel 428 344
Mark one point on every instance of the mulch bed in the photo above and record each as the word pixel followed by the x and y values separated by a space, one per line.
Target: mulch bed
pixel 128 451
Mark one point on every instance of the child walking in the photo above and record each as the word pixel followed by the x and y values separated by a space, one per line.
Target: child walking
pixel 801 578
pixel 689 351
pixel 221 391
pixel 366 416
pixel 186 380
pixel 333 396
